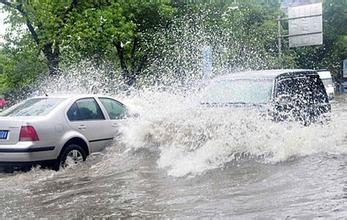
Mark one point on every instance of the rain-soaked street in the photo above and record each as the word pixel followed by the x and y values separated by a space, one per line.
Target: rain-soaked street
pixel 211 109
pixel 176 160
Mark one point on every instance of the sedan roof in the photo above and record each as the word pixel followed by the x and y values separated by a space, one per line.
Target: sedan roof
pixel 71 96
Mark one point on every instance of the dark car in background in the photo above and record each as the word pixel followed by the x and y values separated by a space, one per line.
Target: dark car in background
pixel 295 95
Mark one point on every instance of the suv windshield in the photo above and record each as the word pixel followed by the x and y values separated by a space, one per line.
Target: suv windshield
pixel 33 107
pixel 253 91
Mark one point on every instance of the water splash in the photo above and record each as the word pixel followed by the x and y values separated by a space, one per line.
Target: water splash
pixel 192 139
pixel 83 77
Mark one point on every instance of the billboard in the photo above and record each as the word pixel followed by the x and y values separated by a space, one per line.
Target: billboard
pixel 305 25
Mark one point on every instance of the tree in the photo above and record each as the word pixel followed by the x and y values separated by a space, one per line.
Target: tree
pixel 19 66
pixel 146 37
pixel 122 28
pixel 92 28
pixel 44 21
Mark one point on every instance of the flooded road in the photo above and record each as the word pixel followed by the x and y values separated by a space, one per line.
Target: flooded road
pixel 174 162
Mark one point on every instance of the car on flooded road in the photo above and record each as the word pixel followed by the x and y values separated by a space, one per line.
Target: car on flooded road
pixel 58 130
pixel 294 95
pixel 328 83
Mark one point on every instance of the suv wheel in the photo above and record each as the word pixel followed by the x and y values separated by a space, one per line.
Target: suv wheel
pixel 71 155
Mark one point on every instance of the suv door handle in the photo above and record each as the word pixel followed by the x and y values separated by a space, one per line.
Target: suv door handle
pixel 114 125
pixel 82 127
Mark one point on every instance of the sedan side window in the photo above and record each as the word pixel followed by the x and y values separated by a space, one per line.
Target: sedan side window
pixel 85 109
pixel 73 113
pixel 115 110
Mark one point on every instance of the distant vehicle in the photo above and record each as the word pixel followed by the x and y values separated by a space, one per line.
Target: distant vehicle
pixel 2 103
pixel 344 86
pixel 325 76
pixel 57 131
pixel 285 94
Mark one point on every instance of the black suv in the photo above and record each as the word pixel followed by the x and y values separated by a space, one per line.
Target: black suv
pixel 287 94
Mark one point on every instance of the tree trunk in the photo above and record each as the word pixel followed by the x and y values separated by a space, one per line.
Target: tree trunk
pixel 129 74
pixel 53 65
pixel 125 72
pixel 52 56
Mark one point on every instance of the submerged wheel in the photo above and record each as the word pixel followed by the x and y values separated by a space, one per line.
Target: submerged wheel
pixel 71 155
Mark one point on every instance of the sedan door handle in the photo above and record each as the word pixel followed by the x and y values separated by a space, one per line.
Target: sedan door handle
pixel 82 127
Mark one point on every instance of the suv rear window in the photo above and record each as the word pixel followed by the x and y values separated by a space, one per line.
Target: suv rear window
pixel 308 89
pixel 33 107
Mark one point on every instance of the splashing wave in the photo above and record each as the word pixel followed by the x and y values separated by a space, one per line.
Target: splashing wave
pixel 192 139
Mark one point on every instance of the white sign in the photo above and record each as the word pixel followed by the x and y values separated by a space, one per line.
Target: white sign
pixel 207 61
pixel 345 68
pixel 305 25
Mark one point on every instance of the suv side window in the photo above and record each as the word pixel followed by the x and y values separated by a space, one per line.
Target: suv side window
pixel 115 110
pixel 84 110
pixel 305 89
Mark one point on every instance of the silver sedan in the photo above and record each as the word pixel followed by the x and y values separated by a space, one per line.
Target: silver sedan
pixel 58 130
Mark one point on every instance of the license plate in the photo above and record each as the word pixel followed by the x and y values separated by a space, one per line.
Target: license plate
pixel 3 134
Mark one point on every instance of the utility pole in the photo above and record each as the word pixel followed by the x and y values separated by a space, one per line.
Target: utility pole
pixel 279 37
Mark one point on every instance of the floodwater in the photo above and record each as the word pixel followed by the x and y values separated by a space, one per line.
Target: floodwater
pixel 176 161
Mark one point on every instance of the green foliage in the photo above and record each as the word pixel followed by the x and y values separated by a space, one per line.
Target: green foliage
pixel 255 27
pixel 69 31
pixel 146 37
pixel 94 28
pixel 20 65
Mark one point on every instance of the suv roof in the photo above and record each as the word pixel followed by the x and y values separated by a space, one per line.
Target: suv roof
pixel 267 74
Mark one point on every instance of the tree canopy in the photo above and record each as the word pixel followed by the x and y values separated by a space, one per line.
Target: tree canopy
pixel 148 38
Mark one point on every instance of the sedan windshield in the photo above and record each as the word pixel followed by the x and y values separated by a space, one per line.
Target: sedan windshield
pixel 33 107
pixel 239 91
